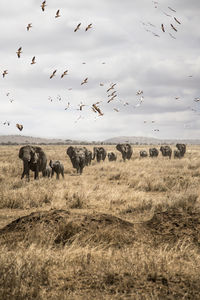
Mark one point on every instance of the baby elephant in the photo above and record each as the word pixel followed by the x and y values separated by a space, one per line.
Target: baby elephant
pixel 47 172
pixel 56 167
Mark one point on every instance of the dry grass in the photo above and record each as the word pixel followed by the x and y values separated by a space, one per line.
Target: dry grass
pixel 119 231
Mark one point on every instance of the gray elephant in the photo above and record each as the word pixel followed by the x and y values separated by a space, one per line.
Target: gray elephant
pixel 143 153
pixel 153 152
pixel 47 172
pixel 56 167
pixel 34 159
pixel 177 154
pixel 78 158
pixel 166 151
pixel 112 156
pixel 126 150
pixel 181 148
pixel 99 153
pixel 88 156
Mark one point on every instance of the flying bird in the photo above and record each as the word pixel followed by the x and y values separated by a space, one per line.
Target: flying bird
pixel 166 14
pixel 162 26
pixel 103 63
pixel 172 36
pixel 139 92
pixel 111 99
pixel 11 100
pixel 172 9
pixel 173 27
pixel 101 84
pixel 155 4
pixel 53 74
pixel 64 73
pixel 6 123
pixel 59 98
pixel 151 24
pixel 84 81
pixel 112 94
pixel 5 72
pixel 68 104
pixel 177 20
pixel 117 110
pixel 88 27
pixel 97 109
pixel 81 105
pixel 33 61
pixel 43 5
pixel 19 51
pixel 57 14
pixel 77 27
pixel 112 87
pixel 29 26
pixel 20 127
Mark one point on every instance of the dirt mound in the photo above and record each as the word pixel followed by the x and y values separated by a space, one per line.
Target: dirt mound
pixel 62 227
pixel 173 224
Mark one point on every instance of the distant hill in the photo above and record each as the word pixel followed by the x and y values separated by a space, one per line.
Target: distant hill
pixel 148 140
pixel 135 140
pixel 22 140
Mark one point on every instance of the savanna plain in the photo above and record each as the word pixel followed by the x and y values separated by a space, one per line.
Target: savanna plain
pixel 121 230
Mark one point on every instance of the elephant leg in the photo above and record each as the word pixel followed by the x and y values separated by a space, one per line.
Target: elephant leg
pixel 57 175
pixel 52 172
pixel 26 170
pixel 81 169
pixel 36 174
pixel 23 174
pixel 28 175
pixel 62 172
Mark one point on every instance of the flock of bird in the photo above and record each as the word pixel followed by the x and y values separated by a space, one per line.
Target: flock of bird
pixel 111 92
pixel 162 26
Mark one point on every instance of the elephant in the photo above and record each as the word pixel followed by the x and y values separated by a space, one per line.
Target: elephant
pixel 143 153
pixel 56 167
pixel 112 156
pixel 99 153
pixel 78 158
pixel 126 150
pixel 153 152
pixel 177 154
pixel 34 159
pixel 88 156
pixel 181 148
pixel 166 151
pixel 47 172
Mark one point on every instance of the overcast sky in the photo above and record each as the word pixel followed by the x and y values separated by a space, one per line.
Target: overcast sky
pixel 122 47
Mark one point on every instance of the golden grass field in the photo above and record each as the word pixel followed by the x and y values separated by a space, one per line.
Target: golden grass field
pixel 119 231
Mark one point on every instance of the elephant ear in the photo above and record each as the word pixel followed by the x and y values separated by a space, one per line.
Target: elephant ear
pixel 70 151
pixel 119 147
pixel 24 149
pixel 21 152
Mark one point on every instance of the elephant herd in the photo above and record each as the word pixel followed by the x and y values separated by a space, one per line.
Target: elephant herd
pixel 166 151
pixel 35 159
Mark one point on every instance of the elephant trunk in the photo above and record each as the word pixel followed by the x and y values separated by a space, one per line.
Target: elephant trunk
pixel 51 164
